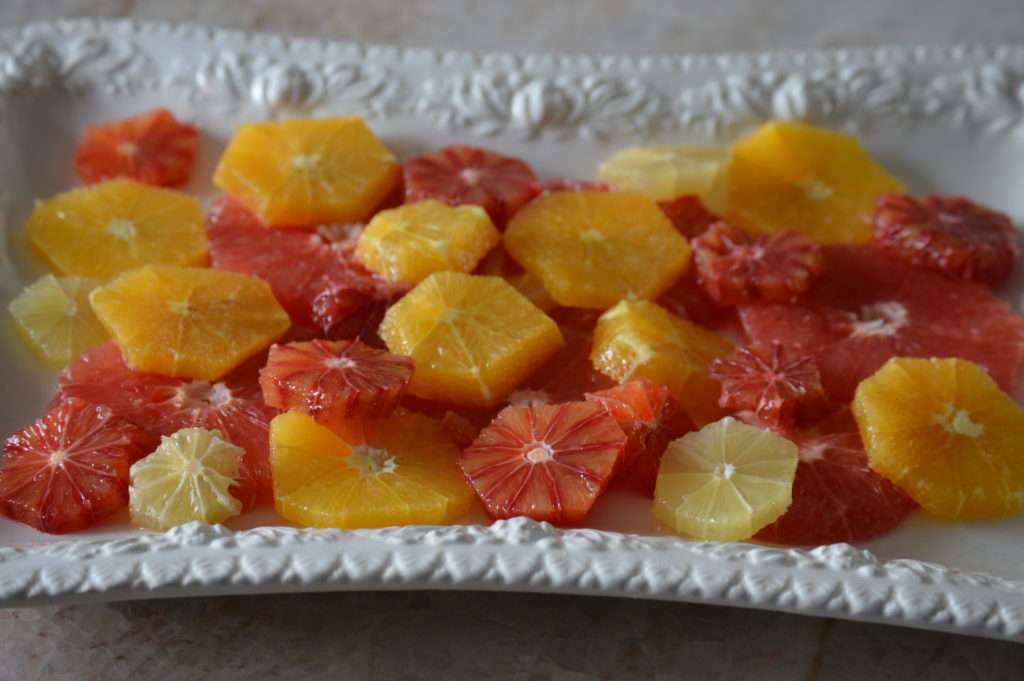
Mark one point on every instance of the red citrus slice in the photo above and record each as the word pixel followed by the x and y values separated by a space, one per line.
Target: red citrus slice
pixel 459 174
pixel 69 469
pixel 152 147
pixel 334 381
pixel 548 463
pixel 734 267
pixel 836 497
pixel 893 310
pixel 651 419
pixel 162 405
pixel 777 382
pixel 948 234
pixel 565 184
pixel 689 215
pixel 687 299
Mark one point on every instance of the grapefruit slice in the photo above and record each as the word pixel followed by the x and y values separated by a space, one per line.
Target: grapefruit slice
pixel 549 463
pixel 54 315
pixel 69 469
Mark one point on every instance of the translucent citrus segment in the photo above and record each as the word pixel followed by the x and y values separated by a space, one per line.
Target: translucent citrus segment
pixel 107 228
pixel 185 479
pixel 640 339
pixel 593 249
pixel 665 172
pixel 303 172
pixel 188 322
pixel 411 242
pixel 401 470
pixel 725 481
pixel 473 338
pixel 943 431
pixel 55 317
pixel 788 175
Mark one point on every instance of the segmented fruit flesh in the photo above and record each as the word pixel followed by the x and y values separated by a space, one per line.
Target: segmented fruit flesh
pixel 948 234
pixel 162 405
pixel 153 147
pixel 778 382
pixel 734 267
pixel 943 431
pixel 458 175
pixel 55 317
pixel 665 172
pixel 334 381
pixel 548 463
pixel 68 470
pixel 185 479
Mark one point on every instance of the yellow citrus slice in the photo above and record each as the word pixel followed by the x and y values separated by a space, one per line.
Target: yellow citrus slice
pixel 400 470
pixel 186 478
pixel 725 481
pixel 55 317
pixel 667 171
pixel 107 228
pixel 943 431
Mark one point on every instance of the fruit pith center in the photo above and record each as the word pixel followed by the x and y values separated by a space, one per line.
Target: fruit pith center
pixel 306 161
pixel 371 461
pixel 122 229
pixel 538 453
pixel 815 190
pixel 880 319
pixel 958 422
pixel 202 393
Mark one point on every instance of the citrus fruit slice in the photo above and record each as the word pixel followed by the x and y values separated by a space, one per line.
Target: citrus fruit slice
pixel 334 381
pixel 69 469
pixel 549 463
pixel 107 228
pixel 401 470
pixel 153 147
pixel 734 267
pixel 303 172
pixel 688 215
pixel 458 175
pixel 188 322
pixel 651 418
pixel 635 340
pixel 725 481
pixel 894 310
pixel 777 382
pixel 411 242
pixel 162 405
pixel 943 431
pixel 788 175
pixel 565 184
pixel 593 249
pixel 948 234
pixel 185 479
pixel 54 315
pixel 687 299
pixel 665 172
pixel 473 338
pixel 836 496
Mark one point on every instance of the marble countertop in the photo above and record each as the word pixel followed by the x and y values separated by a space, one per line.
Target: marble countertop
pixel 432 635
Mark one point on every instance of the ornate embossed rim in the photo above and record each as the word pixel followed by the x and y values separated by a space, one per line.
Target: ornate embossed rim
pixel 489 94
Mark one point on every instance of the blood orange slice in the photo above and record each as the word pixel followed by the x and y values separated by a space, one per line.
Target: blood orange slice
pixel 836 496
pixel 548 463
pixel 162 405
pixel 334 381
pixel 153 147
pixel 689 215
pixel 69 469
pixel 456 175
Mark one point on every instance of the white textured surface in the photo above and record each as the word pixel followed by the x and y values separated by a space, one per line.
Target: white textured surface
pixel 411 635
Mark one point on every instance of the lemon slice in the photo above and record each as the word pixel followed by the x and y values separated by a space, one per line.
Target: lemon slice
pixel 725 481
pixel 55 317
pixel 665 172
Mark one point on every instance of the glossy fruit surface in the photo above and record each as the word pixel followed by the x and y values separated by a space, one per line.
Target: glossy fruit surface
pixel 666 172
pixel 69 469
pixel 689 215
pixel 152 147
pixel 107 228
pixel 395 471
pixel 593 249
pixel 188 322
pixel 307 171
pixel 54 315
pixel 943 431
pixel 549 463
pixel 473 338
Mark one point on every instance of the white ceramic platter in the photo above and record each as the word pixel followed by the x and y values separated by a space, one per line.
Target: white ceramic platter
pixel 944 120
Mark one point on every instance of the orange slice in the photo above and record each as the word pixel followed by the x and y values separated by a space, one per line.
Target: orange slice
pixel 473 338
pixel 401 470
pixel 188 322
pixel 593 249
pixel 303 172
pixel 107 228
pixel 794 176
